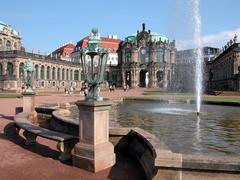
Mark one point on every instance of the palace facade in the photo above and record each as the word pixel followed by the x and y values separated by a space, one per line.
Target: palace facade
pixel 146 60
pixel 223 73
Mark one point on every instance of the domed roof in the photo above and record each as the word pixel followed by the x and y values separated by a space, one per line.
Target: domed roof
pixel 155 37
pixel 8 27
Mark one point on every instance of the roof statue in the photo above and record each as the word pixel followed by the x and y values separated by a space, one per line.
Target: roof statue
pixel 235 38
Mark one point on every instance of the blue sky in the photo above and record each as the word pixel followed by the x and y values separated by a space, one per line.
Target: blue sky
pixel 46 24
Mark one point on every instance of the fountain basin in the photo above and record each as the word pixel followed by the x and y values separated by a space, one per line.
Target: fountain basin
pixel 156 159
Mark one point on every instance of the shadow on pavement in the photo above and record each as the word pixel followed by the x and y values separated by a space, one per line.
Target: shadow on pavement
pixel 11 134
pixel 7 117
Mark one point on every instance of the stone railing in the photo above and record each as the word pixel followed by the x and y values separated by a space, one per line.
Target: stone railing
pixel 17 53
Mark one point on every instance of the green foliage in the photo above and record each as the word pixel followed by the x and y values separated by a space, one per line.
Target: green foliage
pixel 10 95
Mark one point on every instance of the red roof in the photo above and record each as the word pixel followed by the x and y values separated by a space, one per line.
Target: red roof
pixel 108 43
pixel 67 47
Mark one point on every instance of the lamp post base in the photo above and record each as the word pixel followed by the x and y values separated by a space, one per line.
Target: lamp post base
pixel 93 158
pixel 94 152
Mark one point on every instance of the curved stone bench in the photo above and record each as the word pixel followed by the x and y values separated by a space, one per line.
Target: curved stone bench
pixel 31 131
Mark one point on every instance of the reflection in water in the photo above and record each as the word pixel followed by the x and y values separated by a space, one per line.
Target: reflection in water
pixel 215 132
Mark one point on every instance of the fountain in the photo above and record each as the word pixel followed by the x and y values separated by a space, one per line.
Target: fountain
pixel 198 52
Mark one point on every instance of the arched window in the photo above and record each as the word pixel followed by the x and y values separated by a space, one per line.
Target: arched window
pixel 21 71
pixel 1 70
pixel 53 73
pixel 48 73
pixel 63 74
pixel 127 55
pixel 9 69
pixel 42 72
pixel 67 74
pixel 71 76
pixel 8 45
pixel 58 74
pixel 144 55
pixel 160 55
pixel 76 75
pixel 36 71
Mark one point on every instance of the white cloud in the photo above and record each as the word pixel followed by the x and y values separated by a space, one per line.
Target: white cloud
pixel 215 40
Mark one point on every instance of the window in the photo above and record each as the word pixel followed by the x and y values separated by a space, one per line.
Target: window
pixel 63 74
pixel 0 42
pixel 10 69
pixel 160 55
pixel 53 73
pixel 8 45
pixel 36 72
pixel 127 55
pixel 48 73
pixel 42 73
pixel 67 74
pixel 76 75
pixel 71 76
pixel 144 55
pixel 58 74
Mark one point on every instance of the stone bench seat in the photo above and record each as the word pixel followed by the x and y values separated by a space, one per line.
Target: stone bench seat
pixel 65 141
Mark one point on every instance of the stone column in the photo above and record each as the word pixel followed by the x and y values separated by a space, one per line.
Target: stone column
pixel 60 78
pixel 94 152
pixel 55 72
pixel 39 72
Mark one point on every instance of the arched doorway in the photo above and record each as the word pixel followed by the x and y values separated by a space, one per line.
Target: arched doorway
pixel 128 78
pixel 144 79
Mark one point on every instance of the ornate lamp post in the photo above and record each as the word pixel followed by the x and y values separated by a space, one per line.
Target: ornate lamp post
pixel 93 152
pixel 93 69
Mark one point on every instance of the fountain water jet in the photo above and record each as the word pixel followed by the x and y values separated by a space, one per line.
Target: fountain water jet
pixel 198 52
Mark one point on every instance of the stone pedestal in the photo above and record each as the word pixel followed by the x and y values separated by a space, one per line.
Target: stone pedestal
pixel 29 106
pixel 94 152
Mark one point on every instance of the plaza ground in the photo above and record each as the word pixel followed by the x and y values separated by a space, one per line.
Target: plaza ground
pixel 39 162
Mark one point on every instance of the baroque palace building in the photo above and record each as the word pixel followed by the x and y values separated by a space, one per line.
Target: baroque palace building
pixel 51 73
pixel 146 60
pixel 223 73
